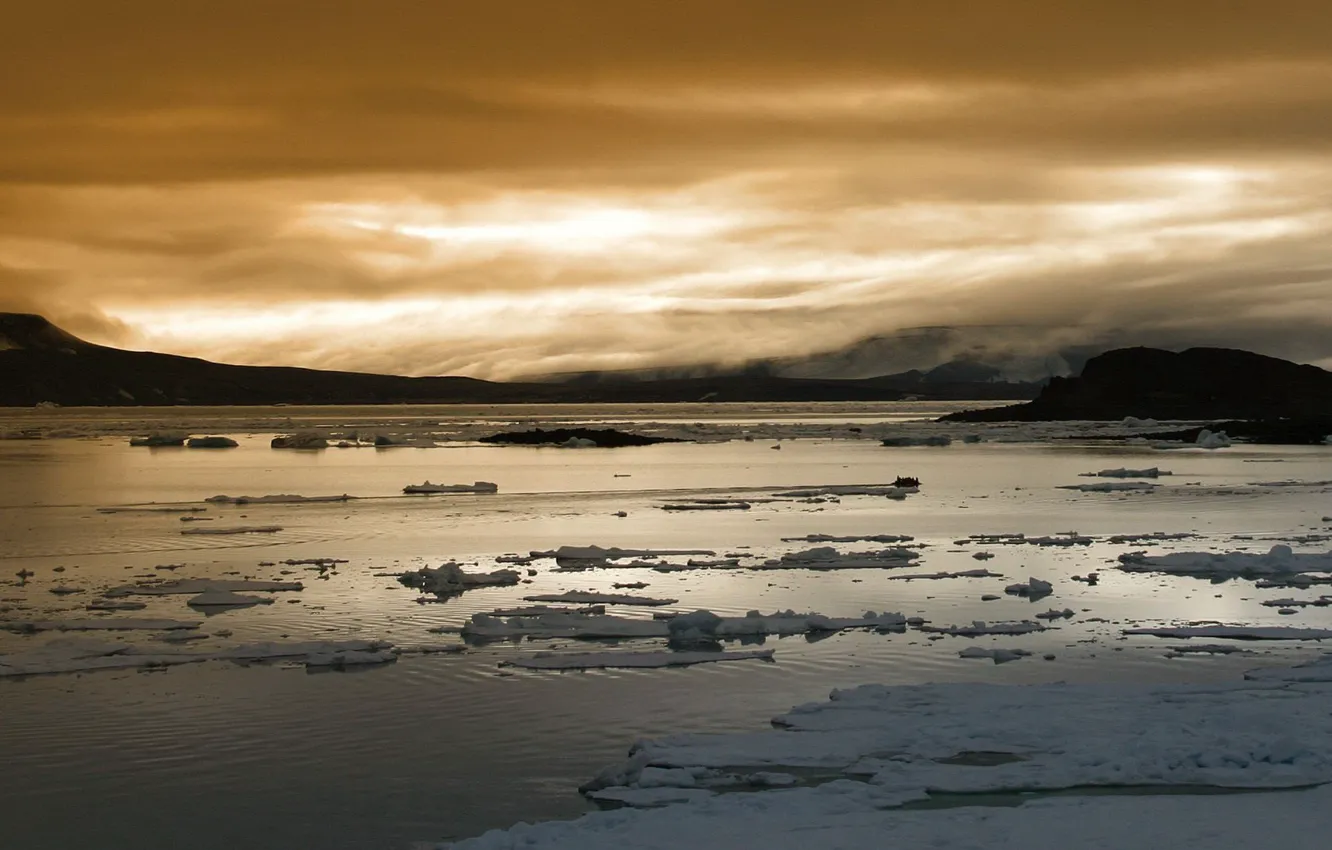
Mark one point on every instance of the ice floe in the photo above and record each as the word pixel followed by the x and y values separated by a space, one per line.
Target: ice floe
pixel 709 505
pixel 215 598
pixel 1212 440
pixel 80 655
pixel 301 440
pixel 996 654
pixel 211 443
pixel 1123 472
pixel 968 737
pixel 828 558
pixel 597 556
pixel 630 660
pixel 587 597
pixel 889 490
pixel 1277 560
pixel 982 573
pixel 240 529
pixel 847 814
pixel 1320 602
pixel 110 624
pixel 1234 632
pixel 853 538
pixel 158 440
pixel 432 489
pixel 195 586
pixel 276 499
pixel 1032 587
pixel 698 627
pixel 1110 486
pixel 981 627
pixel 451 578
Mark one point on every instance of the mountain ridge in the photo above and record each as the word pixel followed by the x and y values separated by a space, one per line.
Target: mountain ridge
pixel 40 362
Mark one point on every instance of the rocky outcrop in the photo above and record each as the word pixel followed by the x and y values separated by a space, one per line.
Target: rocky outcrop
pixel 1197 384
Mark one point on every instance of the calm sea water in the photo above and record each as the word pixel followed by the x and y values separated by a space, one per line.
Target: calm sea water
pixel 434 747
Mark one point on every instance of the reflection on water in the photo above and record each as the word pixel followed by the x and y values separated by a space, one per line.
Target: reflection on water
pixel 219 756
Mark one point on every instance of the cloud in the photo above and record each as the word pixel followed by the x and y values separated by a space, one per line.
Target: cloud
pixel 499 190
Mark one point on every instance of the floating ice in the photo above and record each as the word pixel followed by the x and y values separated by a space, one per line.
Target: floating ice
pixel 79 655
pixel 587 626
pixel 1320 602
pixel 1277 560
pixel 542 610
pixel 853 538
pixel 932 440
pixel 828 558
pixel 240 529
pixel 980 627
pixel 708 505
pixel 430 489
pixel 1055 614
pixel 1235 632
pixel 1209 440
pixel 1110 486
pixel 158 440
pixel 214 598
pixel 982 573
pixel 890 490
pixel 98 624
pixel 276 499
pixel 301 440
pixel 1122 472
pixel 200 585
pixel 699 627
pixel 1033 587
pixel 583 597
pixel 111 605
pixel 211 443
pixel 967 737
pixel 630 660
pixel 996 654
pixel 451 578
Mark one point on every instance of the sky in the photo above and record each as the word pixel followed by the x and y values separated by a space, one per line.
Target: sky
pixel 503 189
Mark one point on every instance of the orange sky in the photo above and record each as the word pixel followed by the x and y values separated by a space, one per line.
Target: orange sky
pixel 509 188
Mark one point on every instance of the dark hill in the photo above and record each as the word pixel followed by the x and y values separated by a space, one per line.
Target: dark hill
pixel 1200 383
pixel 41 363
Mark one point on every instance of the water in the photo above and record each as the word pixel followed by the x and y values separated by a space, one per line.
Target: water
pixel 434 747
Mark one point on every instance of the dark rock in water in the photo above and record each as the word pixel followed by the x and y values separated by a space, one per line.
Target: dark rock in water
pixel 1300 431
pixel 303 440
pixel 906 481
pixel 211 443
pixel 605 438
pixel 159 440
pixel 1198 384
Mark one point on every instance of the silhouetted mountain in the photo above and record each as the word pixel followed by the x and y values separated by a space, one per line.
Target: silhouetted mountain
pixel 1199 383
pixel 41 363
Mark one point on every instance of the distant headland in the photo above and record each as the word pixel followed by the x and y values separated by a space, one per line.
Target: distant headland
pixel 43 364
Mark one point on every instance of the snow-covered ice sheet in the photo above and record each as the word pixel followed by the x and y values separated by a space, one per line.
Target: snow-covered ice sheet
pixel 853 816
pixel 913 738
